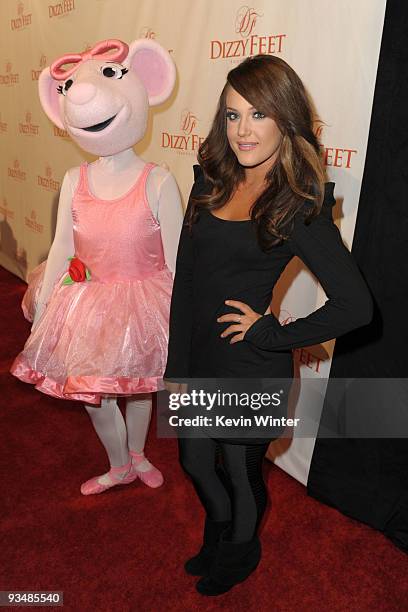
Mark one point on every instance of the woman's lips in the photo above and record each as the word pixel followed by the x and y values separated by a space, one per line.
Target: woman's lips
pixel 246 146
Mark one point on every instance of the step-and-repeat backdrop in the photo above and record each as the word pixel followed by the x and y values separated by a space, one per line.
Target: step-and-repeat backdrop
pixel 334 47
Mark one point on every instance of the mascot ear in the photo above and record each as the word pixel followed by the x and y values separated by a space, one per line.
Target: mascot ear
pixel 154 67
pixel 49 97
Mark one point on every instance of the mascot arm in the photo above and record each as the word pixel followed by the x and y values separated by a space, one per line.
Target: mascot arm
pixel 168 211
pixel 62 247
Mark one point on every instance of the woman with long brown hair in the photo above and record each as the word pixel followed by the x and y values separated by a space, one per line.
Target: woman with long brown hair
pixel 258 200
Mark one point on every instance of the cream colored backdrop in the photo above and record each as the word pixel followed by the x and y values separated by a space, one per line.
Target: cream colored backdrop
pixel 334 46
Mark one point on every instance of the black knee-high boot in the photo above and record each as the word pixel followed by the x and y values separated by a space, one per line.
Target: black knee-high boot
pixel 201 563
pixel 234 562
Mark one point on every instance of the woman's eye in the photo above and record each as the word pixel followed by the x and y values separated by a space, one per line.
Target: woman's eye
pixel 231 116
pixel 62 89
pixel 258 115
pixel 113 72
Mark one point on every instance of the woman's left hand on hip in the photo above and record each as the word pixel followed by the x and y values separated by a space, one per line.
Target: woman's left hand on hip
pixel 242 322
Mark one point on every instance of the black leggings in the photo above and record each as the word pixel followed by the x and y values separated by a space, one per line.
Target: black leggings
pixel 228 480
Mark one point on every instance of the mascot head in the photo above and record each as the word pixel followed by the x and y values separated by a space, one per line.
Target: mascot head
pixel 101 97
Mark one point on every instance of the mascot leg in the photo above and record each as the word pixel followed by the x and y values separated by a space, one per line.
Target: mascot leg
pixel 111 429
pixel 138 413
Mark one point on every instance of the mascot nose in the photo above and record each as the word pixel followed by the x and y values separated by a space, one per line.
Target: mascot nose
pixel 81 93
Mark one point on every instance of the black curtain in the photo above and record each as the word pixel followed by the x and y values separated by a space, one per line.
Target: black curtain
pixel 367 479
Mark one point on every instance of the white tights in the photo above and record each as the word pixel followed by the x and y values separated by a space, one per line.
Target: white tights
pixel 118 436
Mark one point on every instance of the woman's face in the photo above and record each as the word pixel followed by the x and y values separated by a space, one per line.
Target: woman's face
pixel 254 138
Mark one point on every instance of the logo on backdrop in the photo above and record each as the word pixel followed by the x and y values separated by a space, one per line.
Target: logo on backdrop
pixel 3 126
pixel 188 122
pixel 61 9
pixel 60 133
pixel 47 182
pixel 187 140
pixel 318 126
pixel 249 43
pixel 304 356
pixel 245 21
pixel 16 172
pixel 32 223
pixel 28 128
pixel 285 317
pixel 35 72
pixel 23 20
pixel 9 77
pixel 148 32
pixel 336 157
pixel 5 211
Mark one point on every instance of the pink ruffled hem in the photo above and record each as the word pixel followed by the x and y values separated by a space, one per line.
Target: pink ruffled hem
pixel 88 389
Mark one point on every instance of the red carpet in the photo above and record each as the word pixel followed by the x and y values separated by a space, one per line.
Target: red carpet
pixel 124 550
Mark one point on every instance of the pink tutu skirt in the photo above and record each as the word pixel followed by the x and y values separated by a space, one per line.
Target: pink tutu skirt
pixel 96 339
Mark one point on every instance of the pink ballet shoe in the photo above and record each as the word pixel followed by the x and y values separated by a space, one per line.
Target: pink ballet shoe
pixel 152 478
pixel 93 487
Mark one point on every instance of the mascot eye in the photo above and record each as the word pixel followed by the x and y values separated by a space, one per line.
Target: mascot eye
pixel 62 89
pixel 114 72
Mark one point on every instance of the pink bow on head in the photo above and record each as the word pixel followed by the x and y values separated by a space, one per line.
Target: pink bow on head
pixel 99 51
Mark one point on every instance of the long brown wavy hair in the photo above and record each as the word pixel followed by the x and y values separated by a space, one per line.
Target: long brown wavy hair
pixel 273 88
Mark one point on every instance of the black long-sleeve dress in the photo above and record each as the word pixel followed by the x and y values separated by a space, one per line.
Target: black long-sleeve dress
pixel 222 260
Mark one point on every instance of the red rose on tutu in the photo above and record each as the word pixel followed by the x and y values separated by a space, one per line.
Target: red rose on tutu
pixel 77 270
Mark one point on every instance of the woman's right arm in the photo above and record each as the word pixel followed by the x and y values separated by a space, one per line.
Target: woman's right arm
pixel 62 247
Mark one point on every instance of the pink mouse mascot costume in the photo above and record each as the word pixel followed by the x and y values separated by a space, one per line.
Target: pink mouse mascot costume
pixel 101 321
